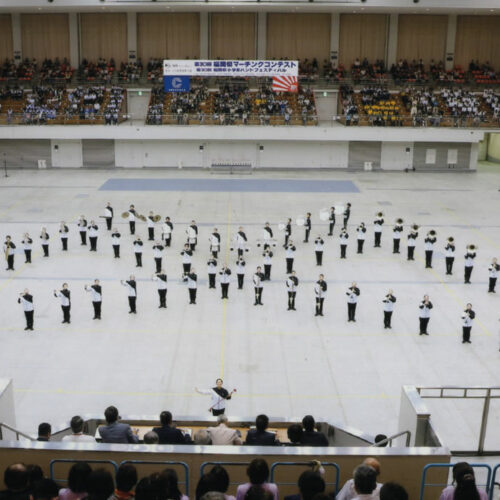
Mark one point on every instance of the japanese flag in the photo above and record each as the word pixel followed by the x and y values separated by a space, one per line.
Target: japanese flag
pixel 285 84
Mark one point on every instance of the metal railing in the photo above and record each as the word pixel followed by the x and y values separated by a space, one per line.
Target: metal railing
pixel 230 119
pixel 390 439
pixel 15 431
pixel 326 465
pixel 76 460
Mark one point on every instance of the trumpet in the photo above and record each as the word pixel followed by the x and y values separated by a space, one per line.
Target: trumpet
pixel 399 221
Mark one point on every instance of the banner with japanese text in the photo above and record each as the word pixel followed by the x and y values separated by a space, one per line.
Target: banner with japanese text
pixel 255 68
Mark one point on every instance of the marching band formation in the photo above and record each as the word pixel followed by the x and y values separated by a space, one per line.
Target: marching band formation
pixel 240 244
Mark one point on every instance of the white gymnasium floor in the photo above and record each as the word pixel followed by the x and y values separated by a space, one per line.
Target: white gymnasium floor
pixel 282 363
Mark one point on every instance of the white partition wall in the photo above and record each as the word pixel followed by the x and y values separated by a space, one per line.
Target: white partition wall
pixel 66 154
pixel 7 413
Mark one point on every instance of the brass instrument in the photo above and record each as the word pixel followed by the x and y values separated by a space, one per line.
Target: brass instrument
pixel 142 217
pixel 451 239
pixel 125 215
pixel 472 248
pixel 380 214
pixel 432 233
pixel 415 227
pixel 399 221
pixel 156 218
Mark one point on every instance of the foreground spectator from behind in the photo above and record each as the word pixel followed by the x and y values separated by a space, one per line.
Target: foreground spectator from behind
pixel 126 479
pixel 46 489
pixel 101 485
pixel 166 485
pixel 260 436
pixel 167 433
pixel 114 431
pixel 348 492
pixel 212 495
pixel 258 493
pixel 222 434
pixel 78 479
pixel 294 433
pixel 144 489
pixel 365 483
pixel 202 436
pixel 77 435
pixel 151 438
pixel 16 480
pixel 216 480
pixel 393 491
pixel 311 437
pixel 44 432
pixel 465 489
pixel 258 474
pixel 310 484
pixel 35 475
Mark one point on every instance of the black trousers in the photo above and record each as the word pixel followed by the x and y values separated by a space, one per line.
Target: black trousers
pixel 343 250
pixel 225 289
pixel 162 294
pixel 378 237
pixel 138 259
pixel 215 253
pixel 287 236
pixel 258 295
pixel 132 303
pixel 97 309
pixel 331 226
pixel 64 242
pixel 151 233
pixel 66 313
pixel 291 300
pixel 306 239
pixel 387 319
pixel 241 278
pixel 411 253
pixel 423 325
pixel 267 271
pixel 27 254
pixel 116 250
pixel 395 245
pixel 109 223
pixel 186 268
pixel 192 247
pixel 346 219
pixel 216 413
pixel 168 240
pixel 131 225
pixel 360 245
pixel 158 264
pixel 289 264
pixel 93 243
pixel 319 257
pixel 428 258
pixel 211 281
pixel 45 249
pixel 83 237
pixel 351 311
pixel 466 333
pixel 467 273
pixel 10 262
pixel 319 306
pixel 492 284
pixel 449 264
pixel 192 295
pixel 240 252
pixel 29 319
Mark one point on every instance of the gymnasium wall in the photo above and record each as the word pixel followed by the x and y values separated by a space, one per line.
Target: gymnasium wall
pixel 45 36
pixel 6 50
pixel 233 36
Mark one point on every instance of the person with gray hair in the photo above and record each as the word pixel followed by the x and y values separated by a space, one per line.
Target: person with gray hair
pixel 348 491
pixel 222 434
pixel 365 483
pixel 202 437
pixel 151 438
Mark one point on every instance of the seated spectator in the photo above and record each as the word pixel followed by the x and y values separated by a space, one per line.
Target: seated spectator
pixel 44 432
pixel 311 437
pixel 310 484
pixel 167 433
pixel 258 474
pixel 46 489
pixel 78 478
pixel 77 435
pixel 165 484
pixel 465 489
pixel 294 433
pixel 126 479
pixel 379 438
pixel 216 480
pixel 393 491
pixel 259 436
pixel 114 431
pixel 365 483
pixel 16 480
pixel 258 493
pixel 212 495
pixel 202 437
pixel 151 438
pixel 101 485
pixel 144 489
pixel 348 491
pixel 222 434
pixel 35 475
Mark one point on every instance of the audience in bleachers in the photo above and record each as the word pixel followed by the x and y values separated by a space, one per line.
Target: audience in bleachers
pixel 348 491
pixel 130 72
pixel 125 481
pixel 44 432
pixel 222 434
pixel 114 431
pixel 413 72
pixel 155 70
pixel 260 436
pixel 101 70
pixel 55 70
pixel 464 485
pixel 78 478
pixel 362 71
pixel 258 475
pixel 332 73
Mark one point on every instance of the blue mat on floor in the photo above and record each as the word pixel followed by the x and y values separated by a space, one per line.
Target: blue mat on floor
pixel 225 185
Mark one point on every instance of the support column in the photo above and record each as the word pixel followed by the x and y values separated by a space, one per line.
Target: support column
pixel 204 35
pixel 392 41
pixel 261 35
pixel 334 38
pixel 74 40
pixel 16 38
pixel 451 35
pixel 132 36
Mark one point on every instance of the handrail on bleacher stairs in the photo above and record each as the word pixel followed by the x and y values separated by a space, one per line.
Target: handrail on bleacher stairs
pixel 423 484
pixel 76 460
pixel 15 431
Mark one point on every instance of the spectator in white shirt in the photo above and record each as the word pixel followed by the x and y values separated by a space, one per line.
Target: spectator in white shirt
pixel 77 435
pixel 348 491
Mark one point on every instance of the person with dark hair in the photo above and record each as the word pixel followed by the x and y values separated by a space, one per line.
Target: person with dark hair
pixel 465 489
pixel 77 435
pixel 379 438
pixel 294 433
pixel 16 480
pixel 258 474
pixel 78 478
pixel 167 433
pixel 114 431
pixel 35 475
pixel 310 436
pixel 393 491
pixel 365 481
pixel 258 493
pixel 144 489
pixel 46 489
pixel 260 436
pixel 100 485
pixel 168 485
pixel 126 479
pixel 310 484
pixel 219 480
pixel 44 432
pixel 348 491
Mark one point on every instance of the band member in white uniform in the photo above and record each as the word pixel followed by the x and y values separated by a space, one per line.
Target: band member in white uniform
pixel 268 235
pixel 397 230
pixel 157 255
pixel 131 218
pixel 219 397
pixel 425 314
pixel 241 241
pixel 240 272
pixel 361 230
pixel 65 297
pixel 150 221
pixel 93 232
pixel 449 252
pixel 343 243
pixel 9 249
pixel 44 236
pixel 115 242
pixel 108 215
pixel 27 246
pixel 161 279
pixel 291 284
pixel 347 214
pixel 131 286
pixel 167 230
pixel 192 283
pixel 26 300
pixel 187 257
pixel 469 263
pixel 307 227
pixel 268 262
pixel 467 319
pixel 63 234
pixel 429 242
pixel 215 243
pixel 318 250
pixel 377 229
pixel 258 279
pixel 225 279
pixel 193 236
pixel 138 251
pixel 352 301
pixel 320 289
pixel 331 220
pixel 388 301
pixel 288 232
pixel 82 229
pixel 412 241
pixel 96 296
pixel 290 253
pixel 493 272
pixel 212 272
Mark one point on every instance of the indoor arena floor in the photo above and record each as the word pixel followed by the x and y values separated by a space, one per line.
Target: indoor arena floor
pixel 282 363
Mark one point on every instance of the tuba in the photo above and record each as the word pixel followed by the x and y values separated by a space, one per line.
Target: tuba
pixel 156 218
pixel 472 248
pixel 379 214
pixel 142 217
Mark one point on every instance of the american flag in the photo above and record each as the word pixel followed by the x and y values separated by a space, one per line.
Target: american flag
pixel 285 84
